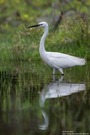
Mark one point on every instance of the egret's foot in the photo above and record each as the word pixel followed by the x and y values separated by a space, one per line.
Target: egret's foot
pixel 61 70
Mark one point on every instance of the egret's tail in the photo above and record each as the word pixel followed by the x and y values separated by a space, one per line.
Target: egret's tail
pixel 81 62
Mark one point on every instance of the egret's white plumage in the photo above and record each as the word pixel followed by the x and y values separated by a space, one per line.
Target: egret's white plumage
pixel 56 60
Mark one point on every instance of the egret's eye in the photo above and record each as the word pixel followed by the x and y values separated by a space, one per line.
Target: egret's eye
pixel 40 24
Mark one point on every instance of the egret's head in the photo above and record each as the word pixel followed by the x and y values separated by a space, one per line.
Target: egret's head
pixel 41 24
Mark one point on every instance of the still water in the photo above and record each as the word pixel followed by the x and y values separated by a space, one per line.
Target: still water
pixel 32 104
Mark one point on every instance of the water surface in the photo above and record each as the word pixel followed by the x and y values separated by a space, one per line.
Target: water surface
pixel 37 104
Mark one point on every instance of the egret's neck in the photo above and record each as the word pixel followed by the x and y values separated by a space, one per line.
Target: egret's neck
pixel 42 48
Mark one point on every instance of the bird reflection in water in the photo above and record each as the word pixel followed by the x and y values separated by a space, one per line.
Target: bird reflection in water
pixel 54 90
pixel 45 123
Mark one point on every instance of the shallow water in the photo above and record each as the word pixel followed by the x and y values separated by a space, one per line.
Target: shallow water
pixel 45 105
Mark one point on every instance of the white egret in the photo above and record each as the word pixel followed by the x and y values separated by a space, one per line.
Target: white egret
pixel 56 60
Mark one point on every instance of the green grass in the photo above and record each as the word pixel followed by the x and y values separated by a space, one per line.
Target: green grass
pixel 23 44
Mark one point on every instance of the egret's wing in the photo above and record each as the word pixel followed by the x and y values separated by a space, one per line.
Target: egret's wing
pixel 64 60
pixel 62 55
pixel 60 62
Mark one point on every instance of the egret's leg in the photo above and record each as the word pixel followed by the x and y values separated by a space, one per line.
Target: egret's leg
pixel 60 69
pixel 54 70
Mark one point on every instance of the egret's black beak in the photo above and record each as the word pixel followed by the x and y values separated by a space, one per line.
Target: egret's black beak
pixel 37 25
